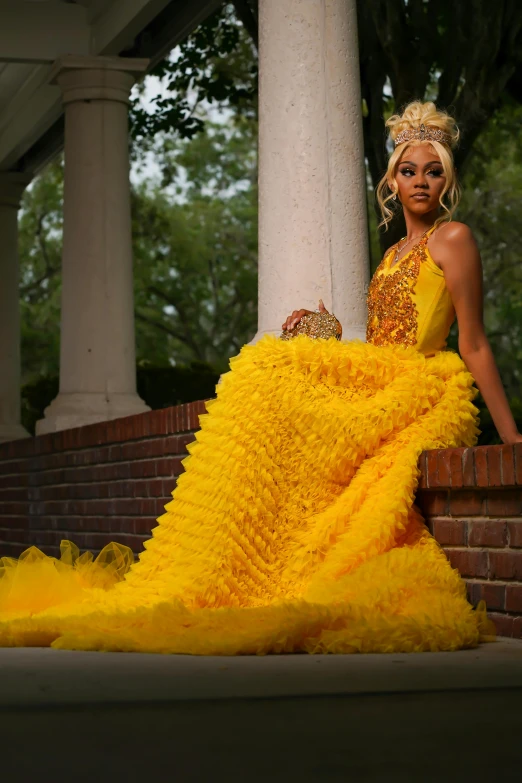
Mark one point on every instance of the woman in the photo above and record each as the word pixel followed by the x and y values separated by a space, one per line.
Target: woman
pixel 293 527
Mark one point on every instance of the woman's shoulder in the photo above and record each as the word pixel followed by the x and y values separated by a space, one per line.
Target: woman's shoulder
pixel 454 240
pixel 453 232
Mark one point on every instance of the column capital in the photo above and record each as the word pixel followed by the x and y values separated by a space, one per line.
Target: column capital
pixel 12 186
pixel 96 78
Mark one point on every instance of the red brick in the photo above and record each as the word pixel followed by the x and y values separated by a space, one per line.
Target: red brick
pixel 514 598
pixel 517 627
pixel 492 593
pixel 503 623
pixel 494 466
pixel 143 469
pixel 507 465
pixel 515 533
pixel 11 549
pixel 505 503
pixel 456 476
pixel 15 509
pixel 432 504
pixel 422 468
pixel 505 565
pixel 12 468
pixel 469 562
pixel 150 507
pixel 481 467
pixel 119 525
pixel 466 501
pixel 13 494
pixel 126 506
pixel 170 467
pixel 119 489
pixel 443 467
pixel 517 448
pixel 432 469
pixel 159 423
pixel 449 531
pixel 487 532
pixel 468 468
pixel 143 525
pixel 175 444
pixel 115 453
pixel 169 486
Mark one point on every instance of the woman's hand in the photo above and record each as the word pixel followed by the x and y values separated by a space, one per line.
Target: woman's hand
pixel 296 316
pixel 517 438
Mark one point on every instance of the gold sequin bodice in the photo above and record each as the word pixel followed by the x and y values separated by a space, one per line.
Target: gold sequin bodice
pixel 409 302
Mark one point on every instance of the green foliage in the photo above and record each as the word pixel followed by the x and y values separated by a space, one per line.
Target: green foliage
pixel 40 249
pixel 216 65
pixel 195 247
pixel 490 206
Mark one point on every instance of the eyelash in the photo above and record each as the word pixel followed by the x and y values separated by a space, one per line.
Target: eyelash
pixel 435 172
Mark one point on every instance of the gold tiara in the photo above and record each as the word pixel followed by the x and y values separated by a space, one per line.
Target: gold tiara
pixel 423 133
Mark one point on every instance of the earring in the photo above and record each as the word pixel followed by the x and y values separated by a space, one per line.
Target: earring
pixel 394 197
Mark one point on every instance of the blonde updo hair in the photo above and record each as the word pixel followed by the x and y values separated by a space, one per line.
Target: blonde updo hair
pixel 414 115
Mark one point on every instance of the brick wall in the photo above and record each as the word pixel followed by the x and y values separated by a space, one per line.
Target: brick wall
pixel 94 484
pixel 472 502
pixel 111 481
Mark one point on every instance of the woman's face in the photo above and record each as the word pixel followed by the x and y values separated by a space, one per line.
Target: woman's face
pixel 420 178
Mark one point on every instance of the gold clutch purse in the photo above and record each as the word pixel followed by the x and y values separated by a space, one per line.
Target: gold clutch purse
pixel 315 325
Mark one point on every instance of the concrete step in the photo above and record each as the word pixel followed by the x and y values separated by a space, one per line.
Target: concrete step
pixel 76 716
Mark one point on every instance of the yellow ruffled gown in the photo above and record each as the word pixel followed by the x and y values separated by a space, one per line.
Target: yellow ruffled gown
pixel 293 527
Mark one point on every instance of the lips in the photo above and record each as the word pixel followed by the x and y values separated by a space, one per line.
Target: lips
pixel 420 196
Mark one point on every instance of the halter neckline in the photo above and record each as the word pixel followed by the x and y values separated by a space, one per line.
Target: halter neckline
pixel 422 241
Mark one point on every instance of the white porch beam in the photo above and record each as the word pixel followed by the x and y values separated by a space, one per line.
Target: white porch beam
pixel 120 23
pixel 33 110
pixel 42 32
pixel 37 105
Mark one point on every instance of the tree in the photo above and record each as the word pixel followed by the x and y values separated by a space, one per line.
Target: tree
pixel 195 247
pixel 195 253
pixel 214 66
pixel 467 56
pixel 490 206
pixel 40 249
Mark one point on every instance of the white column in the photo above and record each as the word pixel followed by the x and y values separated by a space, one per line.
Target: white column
pixel 97 354
pixel 12 186
pixel 312 195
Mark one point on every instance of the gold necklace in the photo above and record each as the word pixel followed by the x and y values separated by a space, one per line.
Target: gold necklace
pixel 398 248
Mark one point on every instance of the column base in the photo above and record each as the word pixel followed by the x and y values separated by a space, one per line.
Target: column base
pixel 78 409
pixel 10 432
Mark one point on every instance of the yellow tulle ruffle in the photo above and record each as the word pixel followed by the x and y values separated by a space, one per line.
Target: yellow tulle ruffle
pixel 293 527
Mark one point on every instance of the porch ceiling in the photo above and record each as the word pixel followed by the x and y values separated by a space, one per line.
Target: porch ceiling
pixel 34 33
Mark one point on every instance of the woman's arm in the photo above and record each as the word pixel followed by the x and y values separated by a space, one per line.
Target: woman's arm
pixel 456 252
